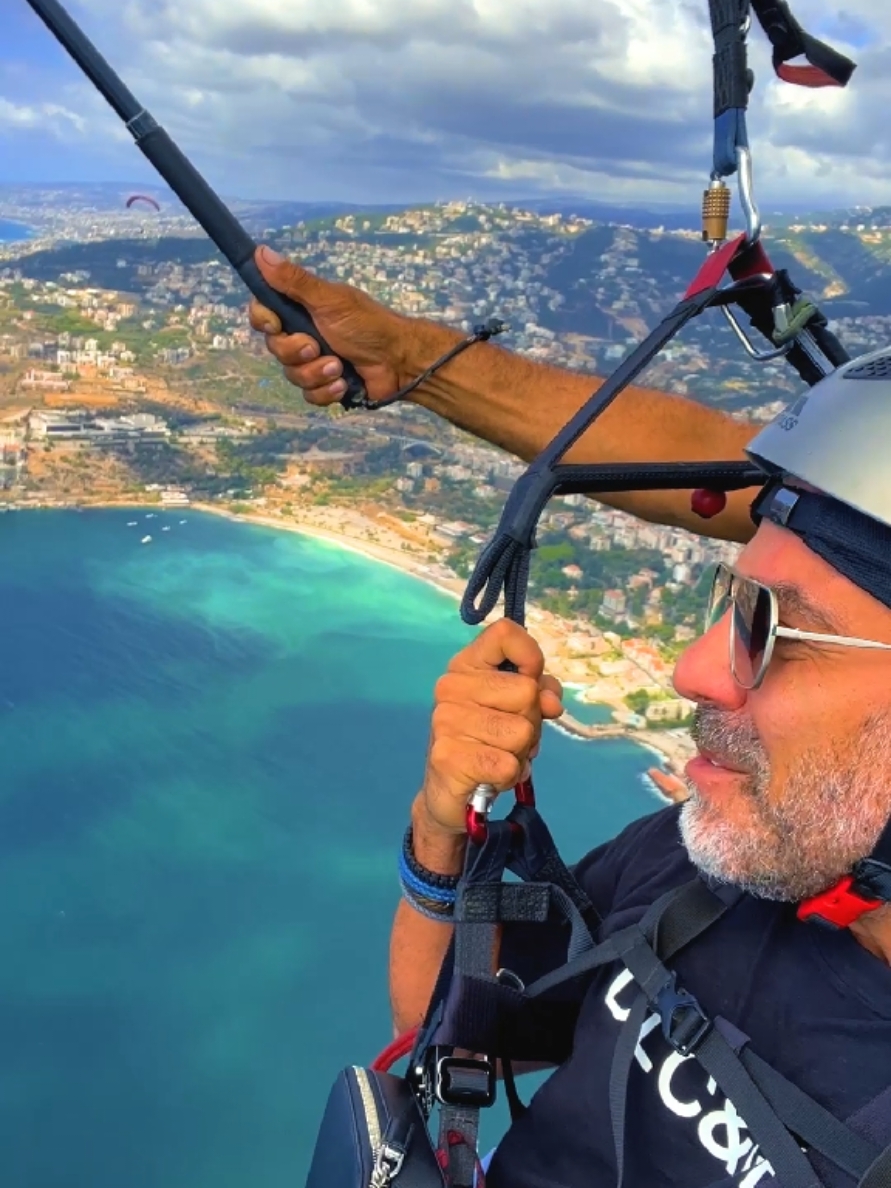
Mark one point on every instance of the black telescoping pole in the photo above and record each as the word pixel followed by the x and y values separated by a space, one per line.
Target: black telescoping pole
pixel 187 183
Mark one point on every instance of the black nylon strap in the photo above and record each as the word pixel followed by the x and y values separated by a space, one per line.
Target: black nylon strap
pixel 620 1071
pixel 879 1175
pixel 872 875
pixel 717 1057
pixel 503 565
pixel 759 305
pixel 809 1120
pixel 538 860
pixel 678 917
pixel 732 80
pixel 791 1166
pixel 789 40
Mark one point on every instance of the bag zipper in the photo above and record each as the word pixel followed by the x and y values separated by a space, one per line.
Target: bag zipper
pixel 387 1160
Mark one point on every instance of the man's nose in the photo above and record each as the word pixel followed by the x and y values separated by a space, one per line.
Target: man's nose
pixel 703 674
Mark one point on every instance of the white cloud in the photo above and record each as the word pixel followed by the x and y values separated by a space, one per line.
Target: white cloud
pixel 51 118
pixel 377 99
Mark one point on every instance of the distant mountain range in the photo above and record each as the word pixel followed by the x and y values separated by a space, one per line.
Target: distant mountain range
pixel 278 212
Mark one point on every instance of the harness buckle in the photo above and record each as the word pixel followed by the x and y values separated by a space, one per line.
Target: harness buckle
pixel 684 1023
pixel 464 1082
pixel 839 906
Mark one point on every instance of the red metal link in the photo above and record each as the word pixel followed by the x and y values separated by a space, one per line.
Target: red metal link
pixel 477 822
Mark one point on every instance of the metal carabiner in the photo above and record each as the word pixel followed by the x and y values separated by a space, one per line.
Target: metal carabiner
pixel 480 805
pixel 747 196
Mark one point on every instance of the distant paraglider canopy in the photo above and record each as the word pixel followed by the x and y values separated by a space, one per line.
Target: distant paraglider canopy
pixel 145 213
pixel 142 198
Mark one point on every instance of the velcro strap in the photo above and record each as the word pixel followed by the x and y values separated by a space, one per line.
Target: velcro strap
pixel 494 903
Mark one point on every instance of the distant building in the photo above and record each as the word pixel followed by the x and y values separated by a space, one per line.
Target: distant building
pixel 48 380
pixel 330 461
pixel 671 710
pixel 173 498
pixel 614 602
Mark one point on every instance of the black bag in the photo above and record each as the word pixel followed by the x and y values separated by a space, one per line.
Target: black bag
pixel 373 1135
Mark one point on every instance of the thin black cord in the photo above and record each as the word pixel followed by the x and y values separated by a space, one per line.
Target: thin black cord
pixel 481 333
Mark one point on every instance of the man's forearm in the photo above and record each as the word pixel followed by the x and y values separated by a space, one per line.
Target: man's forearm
pixel 518 405
pixel 418 945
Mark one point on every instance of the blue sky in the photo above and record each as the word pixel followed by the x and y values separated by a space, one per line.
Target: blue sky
pixel 373 100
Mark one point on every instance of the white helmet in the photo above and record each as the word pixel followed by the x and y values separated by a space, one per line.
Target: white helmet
pixel 837 436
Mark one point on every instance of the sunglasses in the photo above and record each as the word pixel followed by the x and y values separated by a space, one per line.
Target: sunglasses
pixel 754 625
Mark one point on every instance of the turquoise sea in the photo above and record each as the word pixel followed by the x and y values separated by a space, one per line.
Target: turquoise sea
pixel 208 746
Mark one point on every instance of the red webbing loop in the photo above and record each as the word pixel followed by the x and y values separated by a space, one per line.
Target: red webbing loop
pixel 401 1046
pixel 806 76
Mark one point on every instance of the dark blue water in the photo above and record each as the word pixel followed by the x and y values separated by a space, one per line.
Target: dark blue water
pixel 208 747
pixel 10 232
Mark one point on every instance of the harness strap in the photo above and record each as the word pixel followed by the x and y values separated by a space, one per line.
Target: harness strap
pixel 623 1057
pixel 809 1120
pixel 826 66
pixel 732 82
pixel 457 1144
pixel 693 909
pixel 879 1174
pixel 538 860
pixel 503 565
pixel 691 1032
pixel 815 350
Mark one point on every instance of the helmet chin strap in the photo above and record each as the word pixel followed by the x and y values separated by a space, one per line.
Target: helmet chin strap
pixel 864 890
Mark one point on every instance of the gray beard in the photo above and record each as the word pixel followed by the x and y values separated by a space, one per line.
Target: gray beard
pixel 791 844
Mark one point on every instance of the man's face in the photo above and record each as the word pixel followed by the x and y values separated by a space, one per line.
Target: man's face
pixel 793 782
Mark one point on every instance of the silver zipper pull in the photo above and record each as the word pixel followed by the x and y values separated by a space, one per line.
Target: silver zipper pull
pixel 387 1166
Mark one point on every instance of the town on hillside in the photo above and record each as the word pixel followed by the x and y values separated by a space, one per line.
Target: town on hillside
pixel 129 375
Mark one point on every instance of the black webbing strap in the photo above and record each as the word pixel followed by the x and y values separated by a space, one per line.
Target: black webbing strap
pixel 872 875
pixel 689 1031
pixel 732 82
pixel 762 1096
pixel 537 859
pixel 693 909
pixel 809 1120
pixel 783 292
pixel 732 79
pixel 778 1114
pixel 623 1057
pixel 828 67
pixel 503 565
pixel 878 1175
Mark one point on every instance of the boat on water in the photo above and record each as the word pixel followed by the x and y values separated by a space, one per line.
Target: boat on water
pixel 132 523
pixel 166 529
pixel 145 540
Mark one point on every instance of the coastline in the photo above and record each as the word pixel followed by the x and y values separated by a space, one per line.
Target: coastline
pixel 356 532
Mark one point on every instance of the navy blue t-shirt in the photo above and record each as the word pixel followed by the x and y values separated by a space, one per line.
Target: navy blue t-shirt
pixel 815 1004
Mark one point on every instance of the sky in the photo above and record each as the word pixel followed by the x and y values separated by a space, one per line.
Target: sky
pixel 401 101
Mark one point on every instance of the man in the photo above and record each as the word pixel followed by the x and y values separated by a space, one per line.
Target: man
pixel 501 397
pixel 790 791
